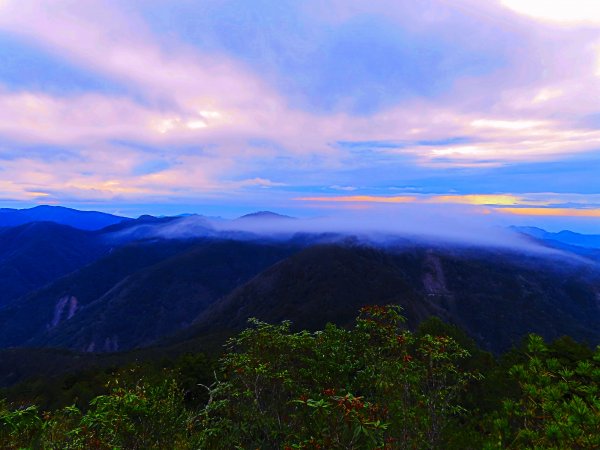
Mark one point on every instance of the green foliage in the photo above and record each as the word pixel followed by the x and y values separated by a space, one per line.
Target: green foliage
pixel 375 386
pixel 19 428
pixel 144 417
pixel 559 406
pixel 130 417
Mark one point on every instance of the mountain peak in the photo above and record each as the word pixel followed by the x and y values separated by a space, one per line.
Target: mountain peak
pixel 86 220
pixel 265 215
pixel 564 237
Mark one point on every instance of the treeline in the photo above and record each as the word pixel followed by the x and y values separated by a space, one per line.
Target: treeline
pixel 376 386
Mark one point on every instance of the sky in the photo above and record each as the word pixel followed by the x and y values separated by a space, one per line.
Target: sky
pixel 303 107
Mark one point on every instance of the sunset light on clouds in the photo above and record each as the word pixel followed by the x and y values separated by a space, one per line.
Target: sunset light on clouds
pixel 565 11
pixel 226 107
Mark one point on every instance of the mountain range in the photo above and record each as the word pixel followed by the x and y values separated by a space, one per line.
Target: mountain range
pixel 85 220
pixel 564 237
pixel 35 254
pixel 189 281
pixel 497 297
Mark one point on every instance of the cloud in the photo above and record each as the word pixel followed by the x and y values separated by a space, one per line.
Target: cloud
pixel 296 96
pixel 406 224
pixel 44 119
pixel 361 199
pixel 556 212
pixel 337 187
pixel 262 182
pixel 103 38
pixel 571 12
pixel 546 204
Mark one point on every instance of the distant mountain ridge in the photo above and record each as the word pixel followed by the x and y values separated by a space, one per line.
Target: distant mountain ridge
pixel 174 284
pixel 141 293
pixel 39 311
pixel 564 237
pixel 496 297
pixel 269 215
pixel 84 220
pixel 135 294
pixel 135 282
pixel 34 254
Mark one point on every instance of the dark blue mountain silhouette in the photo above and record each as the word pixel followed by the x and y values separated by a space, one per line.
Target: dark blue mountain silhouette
pixel 84 220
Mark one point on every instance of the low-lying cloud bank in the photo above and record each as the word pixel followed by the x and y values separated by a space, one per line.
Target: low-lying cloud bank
pixel 459 225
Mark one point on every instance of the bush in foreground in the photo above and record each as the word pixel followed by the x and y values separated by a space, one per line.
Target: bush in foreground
pixel 376 386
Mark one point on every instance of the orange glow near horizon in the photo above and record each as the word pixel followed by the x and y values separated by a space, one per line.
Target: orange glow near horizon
pixel 557 212
pixel 503 203
pixel 471 199
pixel 478 199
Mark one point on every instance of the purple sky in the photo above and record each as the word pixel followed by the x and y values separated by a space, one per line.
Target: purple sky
pixel 303 107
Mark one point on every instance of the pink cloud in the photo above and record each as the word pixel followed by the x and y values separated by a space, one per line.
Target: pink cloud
pixel 216 104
